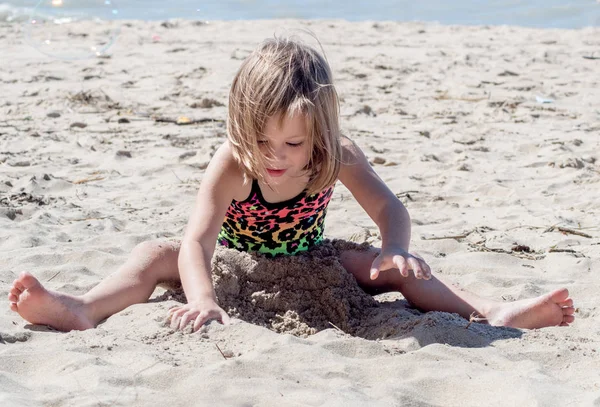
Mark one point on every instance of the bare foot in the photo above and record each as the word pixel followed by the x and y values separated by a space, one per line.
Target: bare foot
pixel 42 307
pixel 552 309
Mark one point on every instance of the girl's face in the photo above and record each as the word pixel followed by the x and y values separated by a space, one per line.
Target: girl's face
pixel 285 148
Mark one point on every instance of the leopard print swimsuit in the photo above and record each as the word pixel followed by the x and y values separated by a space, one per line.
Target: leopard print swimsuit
pixel 282 228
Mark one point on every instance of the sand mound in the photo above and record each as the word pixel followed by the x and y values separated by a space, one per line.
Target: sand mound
pixel 302 295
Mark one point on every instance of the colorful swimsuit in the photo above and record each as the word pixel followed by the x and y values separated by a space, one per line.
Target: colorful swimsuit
pixel 278 228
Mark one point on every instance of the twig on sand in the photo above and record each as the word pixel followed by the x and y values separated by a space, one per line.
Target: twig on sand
pixel 89 179
pixel 57 273
pixel 406 194
pixel 475 317
pixel 463 236
pixel 330 323
pixel 180 180
pixel 571 251
pixel 92 218
pixel 468 142
pixel 444 96
pixel 546 229
pixel 557 250
pixel 526 226
pixel 557 228
pixel 567 231
pixel 182 120
pixel 520 251
pixel 222 354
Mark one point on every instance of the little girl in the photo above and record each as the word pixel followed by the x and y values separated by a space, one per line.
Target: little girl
pixel 266 190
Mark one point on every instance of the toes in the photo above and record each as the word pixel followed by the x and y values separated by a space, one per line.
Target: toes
pixel 568 319
pixel 560 295
pixel 13 307
pixel 13 298
pixel 15 292
pixel 567 303
pixel 28 281
pixel 568 310
pixel 17 289
pixel 18 286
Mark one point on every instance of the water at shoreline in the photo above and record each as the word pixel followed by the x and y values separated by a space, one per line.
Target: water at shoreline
pixel 529 13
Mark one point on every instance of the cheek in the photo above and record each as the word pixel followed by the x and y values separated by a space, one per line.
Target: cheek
pixel 303 156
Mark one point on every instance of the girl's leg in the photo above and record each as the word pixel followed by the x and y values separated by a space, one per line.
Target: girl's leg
pixel 554 308
pixel 148 264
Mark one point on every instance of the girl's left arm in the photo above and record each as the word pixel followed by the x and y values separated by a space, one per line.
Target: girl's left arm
pixel 385 209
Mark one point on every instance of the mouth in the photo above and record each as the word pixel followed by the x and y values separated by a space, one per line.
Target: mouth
pixel 275 173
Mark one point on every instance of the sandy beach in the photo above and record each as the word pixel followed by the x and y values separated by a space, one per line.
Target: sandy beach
pixel 489 135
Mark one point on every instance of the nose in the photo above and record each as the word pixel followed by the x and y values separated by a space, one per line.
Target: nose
pixel 277 155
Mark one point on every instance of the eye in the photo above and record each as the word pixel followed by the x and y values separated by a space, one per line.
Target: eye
pixel 262 142
pixel 295 144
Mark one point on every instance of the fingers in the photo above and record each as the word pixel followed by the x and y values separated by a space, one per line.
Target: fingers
pixel 401 264
pixel 190 315
pixel 174 315
pixel 375 267
pixel 415 266
pixel 225 320
pixel 181 317
pixel 420 268
pixel 425 269
pixel 201 319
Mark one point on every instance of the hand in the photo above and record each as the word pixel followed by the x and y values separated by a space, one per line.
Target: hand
pixel 199 312
pixel 402 260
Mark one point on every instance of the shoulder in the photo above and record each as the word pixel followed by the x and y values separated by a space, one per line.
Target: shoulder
pixel 355 168
pixel 224 158
pixel 351 153
pixel 224 171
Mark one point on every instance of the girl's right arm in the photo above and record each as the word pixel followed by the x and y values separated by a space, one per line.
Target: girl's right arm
pixel 220 182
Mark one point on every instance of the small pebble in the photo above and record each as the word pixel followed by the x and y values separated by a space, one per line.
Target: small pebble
pixel 187 154
pixel 123 153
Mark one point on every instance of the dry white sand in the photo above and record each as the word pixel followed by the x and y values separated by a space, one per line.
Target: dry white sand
pixel 449 118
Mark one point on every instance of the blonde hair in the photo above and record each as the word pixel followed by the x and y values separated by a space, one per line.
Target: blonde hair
pixel 284 76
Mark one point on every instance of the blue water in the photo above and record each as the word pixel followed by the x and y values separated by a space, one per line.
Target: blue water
pixel 529 13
